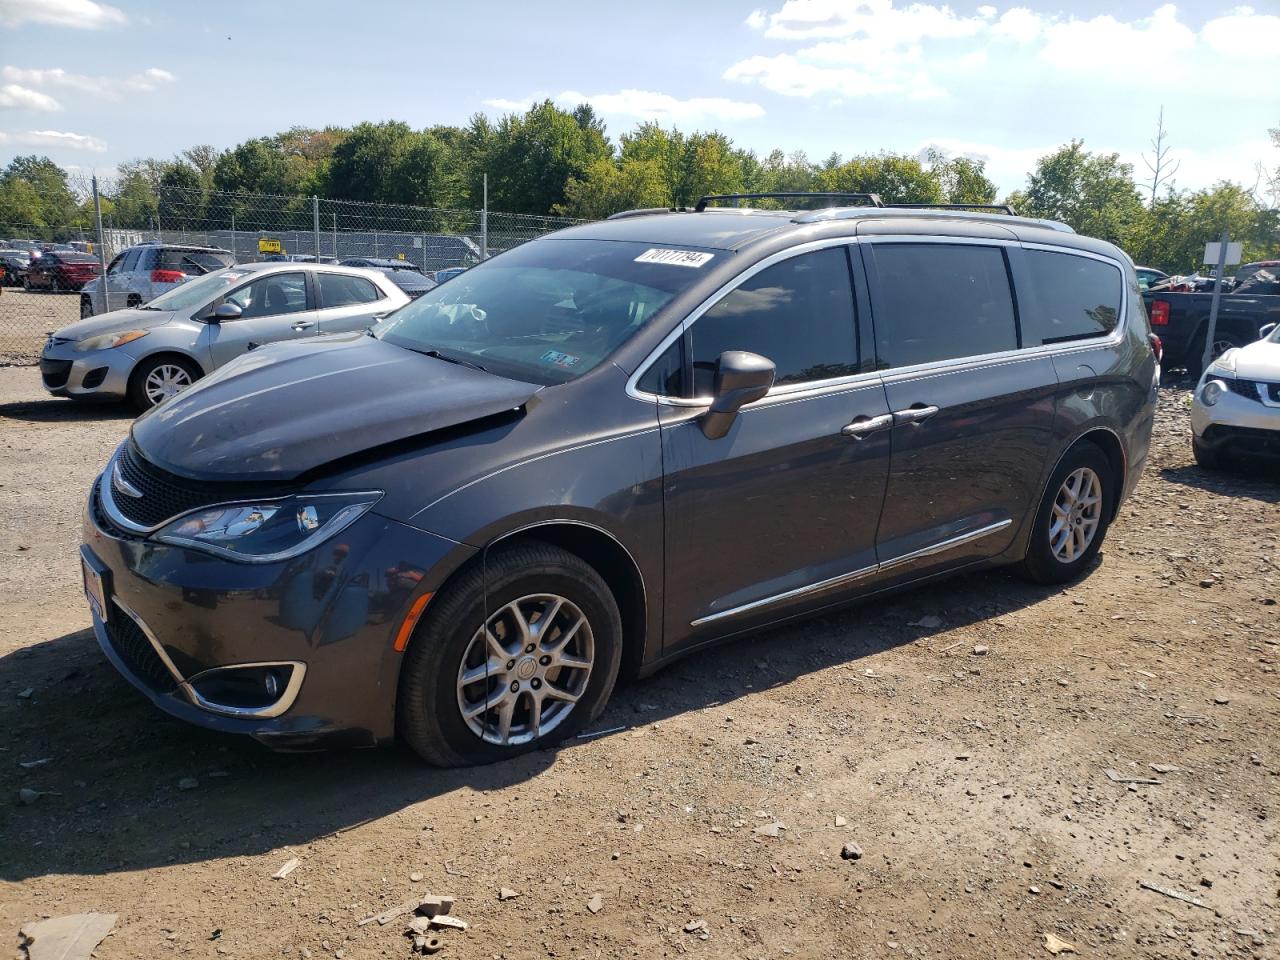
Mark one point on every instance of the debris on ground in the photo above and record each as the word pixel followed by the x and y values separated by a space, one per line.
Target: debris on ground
pixel 506 893
pixel 596 903
pixel 851 851
pixel 32 764
pixel 287 868
pixel 433 904
pixel 1056 945
pixel 73 937
pixel 927 622
pixel 981 650
pixel 1174 894
pixel 386 916
pixel 770 829
pixel 188 783
pixel 696 926
pixel 1115 776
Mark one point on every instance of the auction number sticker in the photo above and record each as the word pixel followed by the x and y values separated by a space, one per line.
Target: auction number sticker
pixel 560 359
pixel 675 258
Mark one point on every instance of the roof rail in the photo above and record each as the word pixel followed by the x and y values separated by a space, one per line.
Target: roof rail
pixel 645 212
pixel 1001 207
pixel 871 199
pixel 860 213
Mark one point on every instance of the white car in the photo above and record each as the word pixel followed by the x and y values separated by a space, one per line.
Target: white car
pixel 1236 406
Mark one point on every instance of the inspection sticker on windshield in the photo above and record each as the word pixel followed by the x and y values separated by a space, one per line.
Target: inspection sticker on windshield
pixel 675 258
pixel 560 359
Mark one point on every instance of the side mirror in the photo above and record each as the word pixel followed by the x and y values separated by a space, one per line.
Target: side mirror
pixel 225 311
pixel 1266 331
pixel 741 378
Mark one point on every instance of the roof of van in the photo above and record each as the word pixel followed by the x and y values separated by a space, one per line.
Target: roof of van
pixel 734 229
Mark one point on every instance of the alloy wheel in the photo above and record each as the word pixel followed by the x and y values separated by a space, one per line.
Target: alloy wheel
pixel 165 381
pixel 1077 511
pixel 525 669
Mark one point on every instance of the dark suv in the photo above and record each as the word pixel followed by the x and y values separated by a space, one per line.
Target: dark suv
pixel 606 448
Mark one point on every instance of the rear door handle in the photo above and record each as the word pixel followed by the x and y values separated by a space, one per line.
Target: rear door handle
pixel 304 324
pixel 914 414
pixel 862 426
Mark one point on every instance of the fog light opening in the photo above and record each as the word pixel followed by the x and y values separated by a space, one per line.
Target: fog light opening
pixel 247 690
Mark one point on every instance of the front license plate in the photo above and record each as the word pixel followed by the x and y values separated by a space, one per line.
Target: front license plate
pixel 95 587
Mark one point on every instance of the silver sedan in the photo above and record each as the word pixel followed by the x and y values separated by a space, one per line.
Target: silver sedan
pixel 151 353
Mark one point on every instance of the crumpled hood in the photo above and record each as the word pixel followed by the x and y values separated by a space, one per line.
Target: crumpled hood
pixel 287 408
pixel 113 322
pixel 1259 361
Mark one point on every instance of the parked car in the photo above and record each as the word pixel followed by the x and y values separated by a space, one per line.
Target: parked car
pixel 1149 275
pixel 153 352
pixel 296 258
pixel 608 447
pixel 440 276
pixel 1236 405
pixel 1245 271
pixel 31 247
pixel 60 270
pixel 1182 322
pixel 405 275
pixel 15 263
pixel 140 274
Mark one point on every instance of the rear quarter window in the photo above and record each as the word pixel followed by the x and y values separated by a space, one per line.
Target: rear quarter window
pixel 1075 297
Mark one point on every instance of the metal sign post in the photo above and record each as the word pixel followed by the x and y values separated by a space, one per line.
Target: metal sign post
pixel 1224 252
pixel 102 246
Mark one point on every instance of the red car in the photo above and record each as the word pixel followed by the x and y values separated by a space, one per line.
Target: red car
pixel 59 270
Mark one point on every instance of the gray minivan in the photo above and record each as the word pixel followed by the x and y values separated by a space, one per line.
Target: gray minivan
pixel 606 448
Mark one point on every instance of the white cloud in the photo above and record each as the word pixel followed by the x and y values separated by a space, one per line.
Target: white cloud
pixel 831 19
pixel 108 88
pixel 1018 24
pixel 795 76
pixel 642 104
pixel 1107 44
pixel 15 97
pixel 54 138
pixel 756 19
pixel 1243 33
pixel 82 14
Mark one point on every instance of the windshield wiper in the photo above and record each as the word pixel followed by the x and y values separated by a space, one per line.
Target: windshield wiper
pixel 436 354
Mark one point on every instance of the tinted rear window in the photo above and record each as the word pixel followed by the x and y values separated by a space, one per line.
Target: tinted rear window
pixel 941 302
pixel 1077 297
pixel 196 262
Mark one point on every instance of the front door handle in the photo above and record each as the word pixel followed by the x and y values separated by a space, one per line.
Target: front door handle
pixel 914 414
pixel 862 426
pixel 304 324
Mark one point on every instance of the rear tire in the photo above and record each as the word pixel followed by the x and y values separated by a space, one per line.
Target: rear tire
pixel 449 641
pixel 86 307
pixel 134 301
pixel 149 373
pixel 1073 517
pixel 1206 457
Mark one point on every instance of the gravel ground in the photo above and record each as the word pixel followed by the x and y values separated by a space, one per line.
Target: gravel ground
pixel 975 785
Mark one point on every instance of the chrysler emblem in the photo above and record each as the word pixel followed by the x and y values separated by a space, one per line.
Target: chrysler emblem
pixel 124 486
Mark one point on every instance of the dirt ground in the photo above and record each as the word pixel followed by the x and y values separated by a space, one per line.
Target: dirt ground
pixel 27 318
pixel 975 785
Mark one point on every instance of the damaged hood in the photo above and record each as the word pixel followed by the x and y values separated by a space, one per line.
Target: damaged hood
pixel 287 408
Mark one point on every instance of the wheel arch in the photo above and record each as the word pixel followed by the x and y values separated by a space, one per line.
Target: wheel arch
pixel 167 352
pixel 613 561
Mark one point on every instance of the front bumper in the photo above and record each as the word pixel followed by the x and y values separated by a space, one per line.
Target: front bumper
pixel 174 614
pixel 99 373
pixel 1237 422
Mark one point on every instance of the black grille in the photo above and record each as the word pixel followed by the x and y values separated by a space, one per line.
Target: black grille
pixel 164 496
pixel 54 373
pixel 1273 391
pixel 1246 388
pixel 133 647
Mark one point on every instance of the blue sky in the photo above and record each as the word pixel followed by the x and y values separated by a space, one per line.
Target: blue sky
pixel 94 84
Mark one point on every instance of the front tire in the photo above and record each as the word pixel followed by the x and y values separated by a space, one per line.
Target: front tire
pixel 1206 457
pixel 488 680
pixel 1073 517
pixel 158 379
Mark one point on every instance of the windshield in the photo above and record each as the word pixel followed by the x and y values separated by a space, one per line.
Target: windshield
pixel 547 311
pixel 197 292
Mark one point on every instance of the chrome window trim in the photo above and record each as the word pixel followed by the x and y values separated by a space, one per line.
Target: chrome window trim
pixel 940 547
pixel 151 639
pixel 893 373
pixel 272 710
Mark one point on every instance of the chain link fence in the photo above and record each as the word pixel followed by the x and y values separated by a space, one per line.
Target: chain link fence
pixel 37 298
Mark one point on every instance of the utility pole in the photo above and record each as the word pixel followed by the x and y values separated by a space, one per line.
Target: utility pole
pixel 102 246
pixel 315 224
pixel 233 235
pixel 484 222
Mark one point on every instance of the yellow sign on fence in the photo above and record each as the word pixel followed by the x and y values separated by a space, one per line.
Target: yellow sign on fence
pixel 268 245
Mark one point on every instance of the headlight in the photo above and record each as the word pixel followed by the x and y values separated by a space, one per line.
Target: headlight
pixel 106 341
pixel 1211 391
pixel 270 530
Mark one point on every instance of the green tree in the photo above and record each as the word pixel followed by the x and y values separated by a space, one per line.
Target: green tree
pixel 180 197
pixel 895 177
pixel 609 187
pixel 35 196
pixel 963 179
pixel 532 157
pixel 1092 193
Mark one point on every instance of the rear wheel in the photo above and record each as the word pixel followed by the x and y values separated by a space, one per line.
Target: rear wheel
pixel 134 301
pixel 1073 517
pixel 86 307
pixel 158 379
pixel 534 663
